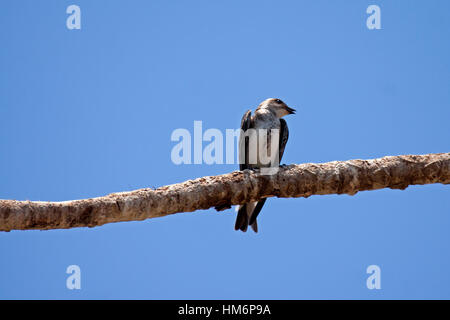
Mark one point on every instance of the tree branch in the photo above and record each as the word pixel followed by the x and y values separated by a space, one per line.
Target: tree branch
pixel 304 180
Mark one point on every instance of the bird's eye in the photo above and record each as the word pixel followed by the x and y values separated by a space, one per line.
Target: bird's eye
pixel 278 101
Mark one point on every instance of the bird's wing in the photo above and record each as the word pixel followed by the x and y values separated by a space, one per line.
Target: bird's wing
pixel 246 123
pixel 284 135
pixel 256 211
pixel 243 215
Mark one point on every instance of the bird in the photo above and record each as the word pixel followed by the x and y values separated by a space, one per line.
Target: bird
pixel 268 115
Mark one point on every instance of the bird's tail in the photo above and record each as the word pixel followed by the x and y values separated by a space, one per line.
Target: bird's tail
pixel 242 220
pixel 254 226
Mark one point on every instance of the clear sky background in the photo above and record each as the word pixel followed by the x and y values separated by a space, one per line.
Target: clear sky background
pixel 84 113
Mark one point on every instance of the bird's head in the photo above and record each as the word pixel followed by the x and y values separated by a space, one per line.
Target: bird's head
pixel 277 107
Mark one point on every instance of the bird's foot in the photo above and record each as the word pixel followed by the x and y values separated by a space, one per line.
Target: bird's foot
pixel 222 207
pixel 253 170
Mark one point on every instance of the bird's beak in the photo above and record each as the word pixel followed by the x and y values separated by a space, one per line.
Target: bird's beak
pixel 290 110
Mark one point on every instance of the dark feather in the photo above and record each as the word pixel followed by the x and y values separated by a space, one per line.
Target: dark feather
pixel 246 123
pixel 284 136
pixel 242 219
pixel 257 210
pixel 254 226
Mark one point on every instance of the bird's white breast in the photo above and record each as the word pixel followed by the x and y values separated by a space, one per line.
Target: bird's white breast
pixel 265 120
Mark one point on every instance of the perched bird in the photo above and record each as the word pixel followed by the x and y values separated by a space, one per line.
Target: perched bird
pixel 267 116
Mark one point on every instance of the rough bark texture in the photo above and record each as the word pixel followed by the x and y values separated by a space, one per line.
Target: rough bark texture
pixel 304 180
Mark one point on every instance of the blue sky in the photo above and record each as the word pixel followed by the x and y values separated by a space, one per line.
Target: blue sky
pixel 84 113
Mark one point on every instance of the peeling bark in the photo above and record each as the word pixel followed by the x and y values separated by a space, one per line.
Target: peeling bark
pixel 304 180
